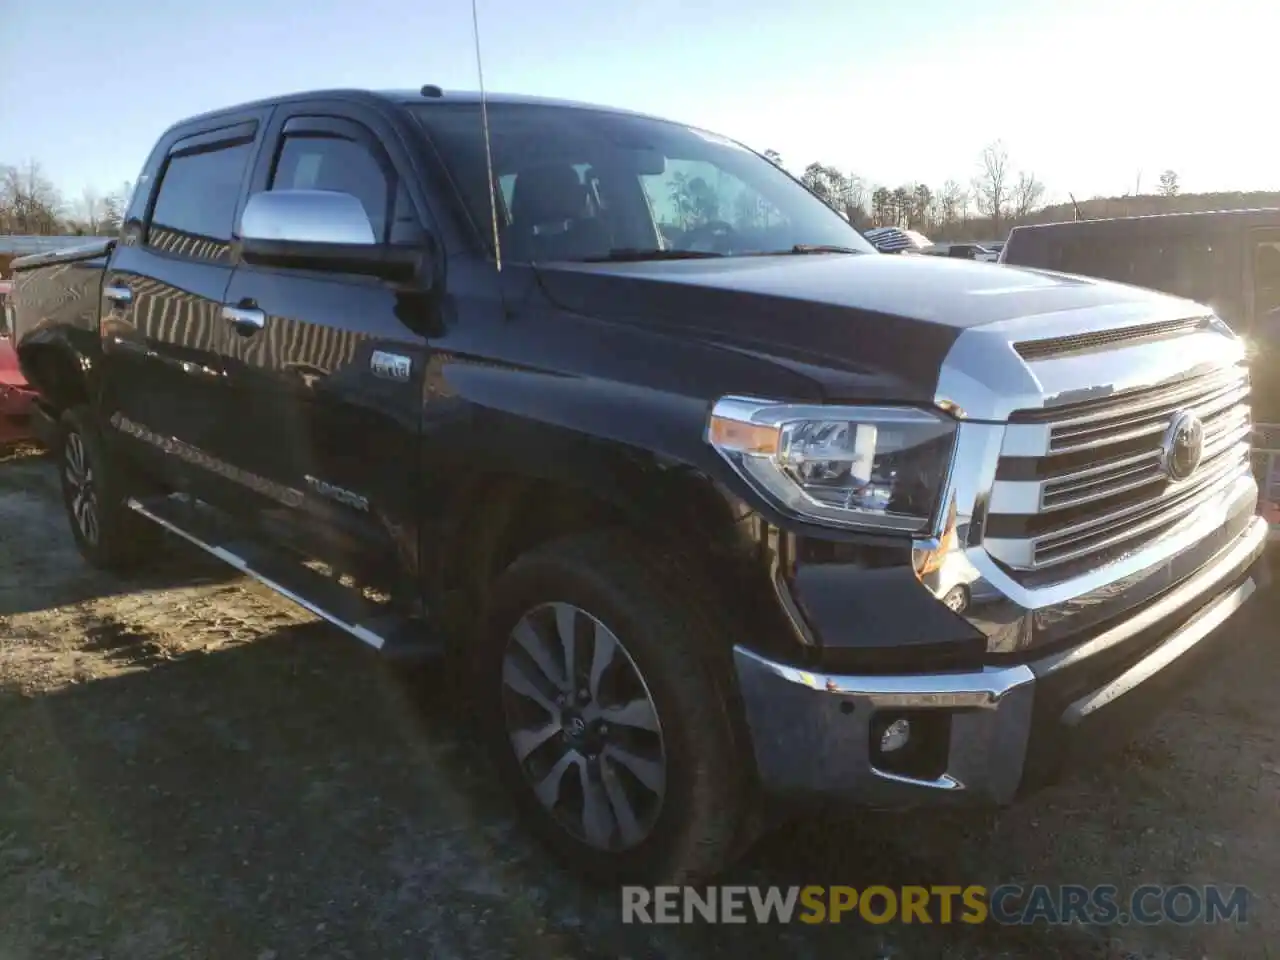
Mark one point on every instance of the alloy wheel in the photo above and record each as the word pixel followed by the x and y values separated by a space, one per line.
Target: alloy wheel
pixel 584 726
pixel 81 491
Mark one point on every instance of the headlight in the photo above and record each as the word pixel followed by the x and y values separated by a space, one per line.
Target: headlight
pixel 875 467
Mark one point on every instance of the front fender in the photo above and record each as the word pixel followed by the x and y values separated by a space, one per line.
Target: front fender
pixel 611 437
pixel 639 451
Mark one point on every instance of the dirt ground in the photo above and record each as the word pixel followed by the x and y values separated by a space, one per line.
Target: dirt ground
pixel 190 767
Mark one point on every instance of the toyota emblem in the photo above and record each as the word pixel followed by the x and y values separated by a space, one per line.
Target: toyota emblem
pixel 1183 446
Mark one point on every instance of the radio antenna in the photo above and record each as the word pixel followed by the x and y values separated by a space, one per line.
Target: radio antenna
pixel 488 149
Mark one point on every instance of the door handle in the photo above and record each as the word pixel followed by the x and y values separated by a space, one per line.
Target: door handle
pixel 246 321
pixel 118 294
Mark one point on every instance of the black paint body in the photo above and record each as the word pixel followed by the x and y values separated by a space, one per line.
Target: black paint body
pixel 586 381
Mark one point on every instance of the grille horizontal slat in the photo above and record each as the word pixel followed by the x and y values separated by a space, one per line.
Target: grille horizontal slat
pixel 1097 488
pixel 1122 525
pixel 1136 471
pixel 1148 420
pixel 1101 484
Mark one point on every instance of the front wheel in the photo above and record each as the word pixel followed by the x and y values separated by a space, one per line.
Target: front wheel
pixel 610 720
pixel 94 490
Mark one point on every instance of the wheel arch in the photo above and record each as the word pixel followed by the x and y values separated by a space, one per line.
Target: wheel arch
pixel 58 372
pixel 680 516
pixel 499 514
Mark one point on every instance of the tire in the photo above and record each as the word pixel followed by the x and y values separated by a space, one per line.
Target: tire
pixel 684 779
pixel 94 490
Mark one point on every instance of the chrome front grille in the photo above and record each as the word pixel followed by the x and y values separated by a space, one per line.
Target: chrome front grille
pixel 1147 412
pixel 1087 480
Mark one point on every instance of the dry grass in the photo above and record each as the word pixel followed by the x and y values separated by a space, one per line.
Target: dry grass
pixel 190 767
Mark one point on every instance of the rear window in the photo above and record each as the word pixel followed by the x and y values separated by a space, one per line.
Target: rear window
pixel 196 205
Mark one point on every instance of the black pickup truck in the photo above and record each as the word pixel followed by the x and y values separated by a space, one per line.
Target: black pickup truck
pixel 719 509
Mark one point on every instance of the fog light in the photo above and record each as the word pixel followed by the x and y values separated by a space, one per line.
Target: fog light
pixel 895 736
pixel 956 599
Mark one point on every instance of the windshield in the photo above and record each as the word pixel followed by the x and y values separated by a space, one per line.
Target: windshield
pixel 582 184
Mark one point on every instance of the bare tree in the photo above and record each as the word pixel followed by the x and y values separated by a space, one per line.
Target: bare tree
pixel 1168 184
pixel 921 206
pixel 1027 194
pixel 817 177
pixel 949 198
pixel 901 200
pixel 843 192
pixel 89 212
pixel 29 202
pixel 774 157
pixel 114 206
pixel 935 218
pixel 991 187
pixel 855 198
pixel 7 174
pixel 881 206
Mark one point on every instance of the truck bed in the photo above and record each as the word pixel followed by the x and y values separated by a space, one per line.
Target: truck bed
pixel 58 292
pixel 84 251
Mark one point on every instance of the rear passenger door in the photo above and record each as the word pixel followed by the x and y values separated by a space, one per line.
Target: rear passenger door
pixel 325 394
pixel 163 295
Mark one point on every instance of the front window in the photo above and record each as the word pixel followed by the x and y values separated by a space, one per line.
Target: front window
pixel 584 184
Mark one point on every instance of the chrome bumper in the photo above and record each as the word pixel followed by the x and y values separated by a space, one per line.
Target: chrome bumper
pixel 812 732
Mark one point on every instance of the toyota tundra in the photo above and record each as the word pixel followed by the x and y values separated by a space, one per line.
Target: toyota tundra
pixel 717 509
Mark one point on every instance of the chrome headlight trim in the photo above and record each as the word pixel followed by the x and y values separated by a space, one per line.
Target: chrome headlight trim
pixel 760 453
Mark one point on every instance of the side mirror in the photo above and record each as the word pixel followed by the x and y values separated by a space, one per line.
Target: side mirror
pixel 319 230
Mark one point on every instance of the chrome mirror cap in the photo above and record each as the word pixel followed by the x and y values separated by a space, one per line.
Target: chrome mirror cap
pixel 306 216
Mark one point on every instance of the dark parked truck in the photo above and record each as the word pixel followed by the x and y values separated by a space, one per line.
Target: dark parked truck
pixel 1227 258
pixel 719 510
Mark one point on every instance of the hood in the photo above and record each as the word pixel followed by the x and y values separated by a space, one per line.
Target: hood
pixel 881 325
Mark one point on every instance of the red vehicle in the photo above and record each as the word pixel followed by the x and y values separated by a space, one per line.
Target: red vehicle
pixel 16 396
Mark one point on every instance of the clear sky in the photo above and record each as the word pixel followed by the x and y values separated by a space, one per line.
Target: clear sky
pixel 1085 93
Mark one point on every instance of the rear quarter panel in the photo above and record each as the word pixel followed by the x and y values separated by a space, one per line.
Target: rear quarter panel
pixel 55 306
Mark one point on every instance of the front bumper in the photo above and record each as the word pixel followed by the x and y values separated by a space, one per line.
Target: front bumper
pixel 1005 726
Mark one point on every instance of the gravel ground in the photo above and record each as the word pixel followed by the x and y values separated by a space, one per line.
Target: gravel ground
pixel 191 767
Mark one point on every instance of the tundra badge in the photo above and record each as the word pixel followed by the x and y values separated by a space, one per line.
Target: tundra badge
pixel 390 366
pixel 354 500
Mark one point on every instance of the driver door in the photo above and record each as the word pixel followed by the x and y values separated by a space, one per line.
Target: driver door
pixel 326 381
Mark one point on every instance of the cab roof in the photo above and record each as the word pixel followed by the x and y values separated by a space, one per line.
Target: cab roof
pixel 406 98
pixel 473 96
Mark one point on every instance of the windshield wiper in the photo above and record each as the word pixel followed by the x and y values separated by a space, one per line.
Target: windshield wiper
pixel 819 248
pixel 623 254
